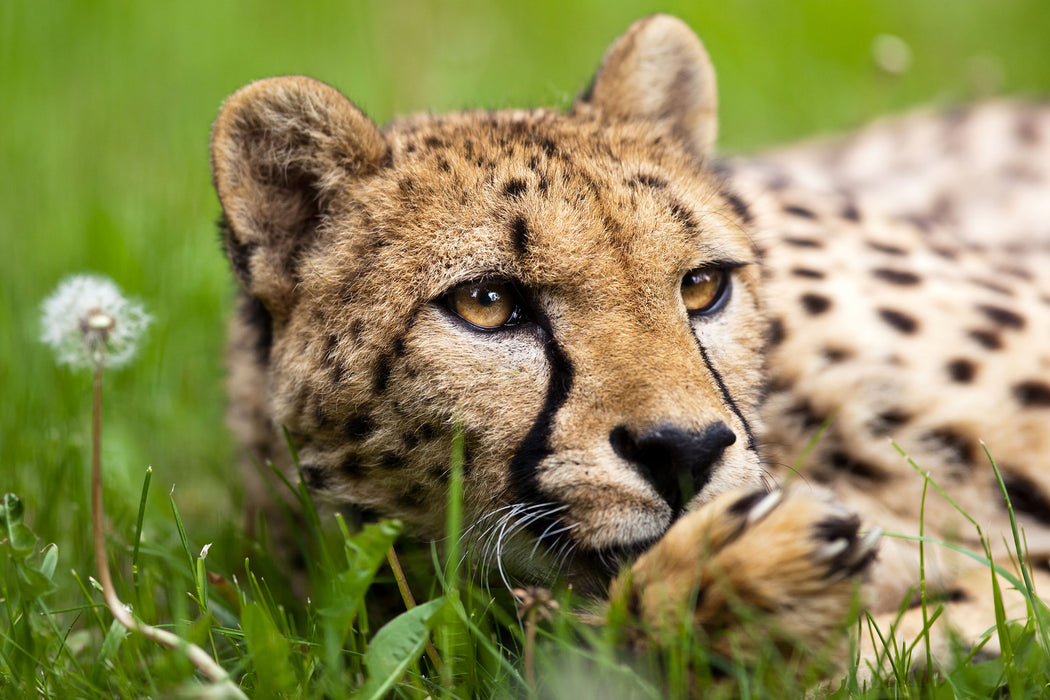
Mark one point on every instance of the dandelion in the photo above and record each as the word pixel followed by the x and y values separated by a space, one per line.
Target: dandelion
pixel 90 324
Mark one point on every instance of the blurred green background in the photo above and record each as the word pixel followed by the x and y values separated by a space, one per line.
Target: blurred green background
pixel 105 109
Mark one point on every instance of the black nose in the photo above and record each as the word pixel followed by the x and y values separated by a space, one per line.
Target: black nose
pixel 676 462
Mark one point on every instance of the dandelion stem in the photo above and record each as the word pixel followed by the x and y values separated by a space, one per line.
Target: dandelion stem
pixel 204 663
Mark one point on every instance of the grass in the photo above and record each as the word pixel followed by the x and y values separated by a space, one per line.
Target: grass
pixel 103 138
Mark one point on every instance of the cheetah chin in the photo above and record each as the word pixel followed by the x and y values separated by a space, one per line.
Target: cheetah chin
pixel 636 338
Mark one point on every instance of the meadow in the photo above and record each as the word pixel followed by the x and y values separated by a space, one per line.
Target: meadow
pixel 104 125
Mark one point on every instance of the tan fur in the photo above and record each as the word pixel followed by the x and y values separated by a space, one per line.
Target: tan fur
pixel 591 426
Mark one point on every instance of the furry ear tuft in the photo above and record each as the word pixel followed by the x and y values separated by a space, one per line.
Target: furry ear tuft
pixel 659 71
pixel 282 148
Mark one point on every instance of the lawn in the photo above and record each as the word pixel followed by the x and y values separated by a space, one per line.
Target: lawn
pixel 104 129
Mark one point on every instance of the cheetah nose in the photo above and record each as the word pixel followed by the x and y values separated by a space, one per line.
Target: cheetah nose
pixel 677 462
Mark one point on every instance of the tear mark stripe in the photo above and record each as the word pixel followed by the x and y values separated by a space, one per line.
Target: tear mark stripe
pixel 726 396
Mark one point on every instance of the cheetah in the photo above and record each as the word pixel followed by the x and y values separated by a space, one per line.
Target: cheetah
pixel 639 342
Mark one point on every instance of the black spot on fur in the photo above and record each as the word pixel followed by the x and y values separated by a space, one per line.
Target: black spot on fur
pixel 844 463
pixel 886 248
pixel 804 413
pixel 514 188
pixel 1032 393
pixel 358 427
pixel 962 370
pixel 803 242
pixel 738 205
pixel 796 210
pixel 989 340
pixel 815 304
pixel 835 355
pixel 807 273
pixel 390 460
pixel 316 479
pixel 899 320
pixel 382 376
pixel 683 215
pixel 1026 496
pixel 901 277
pixel 850 212
pixel 955 595
pixel 889 421
pixel 351 466
pixel 339 373
pixel 775 333
pixel 519 232
pixel 647 180
pixel 434 142
pixel 413 499
pixel 1002 317
pixel 993 286
pixel 959 448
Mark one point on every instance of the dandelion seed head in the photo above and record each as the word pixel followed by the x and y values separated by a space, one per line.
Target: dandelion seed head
pixel 89 323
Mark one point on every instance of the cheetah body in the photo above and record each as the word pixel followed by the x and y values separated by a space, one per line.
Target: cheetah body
pixel 871 293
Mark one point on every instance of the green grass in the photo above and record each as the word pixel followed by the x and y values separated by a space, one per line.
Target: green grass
pixel 104 167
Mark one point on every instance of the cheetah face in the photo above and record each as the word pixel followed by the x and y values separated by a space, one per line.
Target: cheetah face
pixel 573 292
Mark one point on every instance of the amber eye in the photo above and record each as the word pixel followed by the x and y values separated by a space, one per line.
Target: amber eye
pixel 704 288
pixel 487 305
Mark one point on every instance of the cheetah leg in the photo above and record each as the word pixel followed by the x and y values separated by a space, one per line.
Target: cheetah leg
pixel 749 568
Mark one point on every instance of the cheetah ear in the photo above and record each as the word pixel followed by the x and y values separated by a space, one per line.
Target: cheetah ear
pixel 281 150
pixel 659 71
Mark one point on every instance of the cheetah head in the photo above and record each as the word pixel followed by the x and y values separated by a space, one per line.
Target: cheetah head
pixel 577 293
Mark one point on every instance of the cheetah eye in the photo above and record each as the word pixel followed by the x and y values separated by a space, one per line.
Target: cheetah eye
pixel 705 290
pixel 486 305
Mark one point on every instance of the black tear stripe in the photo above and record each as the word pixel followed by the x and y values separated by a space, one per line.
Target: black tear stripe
pixel 726 396
pixel 535 446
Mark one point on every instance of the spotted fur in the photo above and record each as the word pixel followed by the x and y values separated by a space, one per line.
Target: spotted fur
pixel 887 285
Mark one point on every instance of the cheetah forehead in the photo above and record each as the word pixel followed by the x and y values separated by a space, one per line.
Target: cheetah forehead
pixel 546 199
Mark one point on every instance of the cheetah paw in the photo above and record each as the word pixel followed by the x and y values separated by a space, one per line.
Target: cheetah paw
pixel 749 567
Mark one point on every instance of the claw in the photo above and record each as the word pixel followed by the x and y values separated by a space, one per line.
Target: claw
pixel 765 506
pixel 870 541
pixel 832 549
